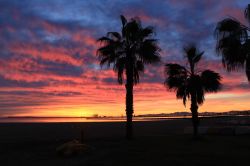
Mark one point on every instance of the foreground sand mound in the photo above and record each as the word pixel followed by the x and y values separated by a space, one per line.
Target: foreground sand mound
pixel 73 148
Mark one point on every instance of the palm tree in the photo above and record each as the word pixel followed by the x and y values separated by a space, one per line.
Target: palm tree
pixel 190 83
pixel 128 52
pixel 233 43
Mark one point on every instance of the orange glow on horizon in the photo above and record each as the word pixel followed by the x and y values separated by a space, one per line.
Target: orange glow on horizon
pixel 165 103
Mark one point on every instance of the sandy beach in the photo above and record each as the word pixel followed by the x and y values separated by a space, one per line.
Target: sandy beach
pixel 156 142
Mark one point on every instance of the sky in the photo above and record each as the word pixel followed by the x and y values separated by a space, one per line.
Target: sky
pixel 49 67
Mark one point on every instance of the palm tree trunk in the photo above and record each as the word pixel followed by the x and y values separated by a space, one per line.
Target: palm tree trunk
pixel 129 101
pixel 129 111
pixel 195 118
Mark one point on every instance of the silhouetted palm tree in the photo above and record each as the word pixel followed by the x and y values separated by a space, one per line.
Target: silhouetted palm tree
pixel 190 83
pixel 128 51
pixel 233 43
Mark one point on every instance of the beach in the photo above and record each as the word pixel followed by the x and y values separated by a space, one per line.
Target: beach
pixel 156 142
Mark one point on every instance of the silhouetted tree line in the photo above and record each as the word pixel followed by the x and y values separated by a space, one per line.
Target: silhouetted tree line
pixel 134 47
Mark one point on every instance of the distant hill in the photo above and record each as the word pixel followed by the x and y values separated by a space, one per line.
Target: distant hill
pixel 177 114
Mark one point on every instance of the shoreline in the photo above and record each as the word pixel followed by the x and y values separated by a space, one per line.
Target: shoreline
pixel 110 119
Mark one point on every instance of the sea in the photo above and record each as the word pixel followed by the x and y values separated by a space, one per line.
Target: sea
pixel 80 119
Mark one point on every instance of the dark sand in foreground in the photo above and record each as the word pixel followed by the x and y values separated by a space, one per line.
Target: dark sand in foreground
pixel 156 143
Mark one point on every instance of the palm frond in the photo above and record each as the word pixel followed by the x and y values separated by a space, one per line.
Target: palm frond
pixel 124 20
pixel 109 51
pixel 211 81
pixel 149 51
pixel 190 51
pixel 114 35
pixel 181 93
pixel 197 57
pixel 195 88
pixel 233 55
pixel 176 76
pixel 248 68
pixel 138 69
pixel 106 55
pixel 139 66
pixel 247 13
pixel 132 30
pixel 231 36
pixel 104 40
pixel 193 55
pixel 231 27
pixel 175 70
pixel 200 96
pixel 119 66
pixel 147 32
pixel 136 77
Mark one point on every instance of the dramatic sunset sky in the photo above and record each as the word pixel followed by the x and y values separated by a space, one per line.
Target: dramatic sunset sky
pixel 48 64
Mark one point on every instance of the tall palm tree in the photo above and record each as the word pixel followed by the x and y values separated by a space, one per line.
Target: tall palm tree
pixel 190 83
pixel 233 43
pixel 128 52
